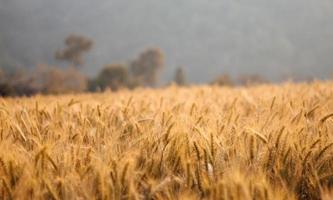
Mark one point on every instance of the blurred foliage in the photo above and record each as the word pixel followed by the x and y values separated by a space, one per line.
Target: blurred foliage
pixel 223 80
pixel 253 79
pixel 5 87
pixel 147 67
pixel 180 78
pixel 42 79
pixel 112 76
pixel 17 83
pixel 144 71
pixel 244 80
pixel 76 45
pixel 54 80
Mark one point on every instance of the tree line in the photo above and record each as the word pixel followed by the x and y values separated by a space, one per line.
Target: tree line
pixel 142 71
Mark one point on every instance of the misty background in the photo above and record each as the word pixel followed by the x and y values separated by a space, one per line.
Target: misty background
pixel 272 38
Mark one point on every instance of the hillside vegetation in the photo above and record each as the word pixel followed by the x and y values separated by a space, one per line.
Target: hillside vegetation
pixel 207 142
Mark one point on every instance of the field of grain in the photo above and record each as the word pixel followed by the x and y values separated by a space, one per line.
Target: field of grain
pixel 202 142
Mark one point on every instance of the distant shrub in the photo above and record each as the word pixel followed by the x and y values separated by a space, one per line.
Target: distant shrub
pixel 54 80
pixel 42 79
pixel 5 88
pixel 113 76
pixel 93 85
pixel 146 68
pixel 223 80
pixel 180 78
pixel 253 79
pixel 17 83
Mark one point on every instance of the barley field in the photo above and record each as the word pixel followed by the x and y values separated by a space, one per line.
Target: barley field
pixel 200 142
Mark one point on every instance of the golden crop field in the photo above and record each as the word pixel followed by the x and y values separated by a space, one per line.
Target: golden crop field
pixel 200 142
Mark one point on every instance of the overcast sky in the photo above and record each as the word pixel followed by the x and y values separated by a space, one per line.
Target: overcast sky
pixel 273 38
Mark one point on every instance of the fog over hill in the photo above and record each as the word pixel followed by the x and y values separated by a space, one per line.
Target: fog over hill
pixel 273 38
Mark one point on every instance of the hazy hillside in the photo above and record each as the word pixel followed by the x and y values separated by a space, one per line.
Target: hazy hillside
pixel 273 38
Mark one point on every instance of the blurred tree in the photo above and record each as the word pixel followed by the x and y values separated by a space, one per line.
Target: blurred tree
pixel 54 80
pixel 20 82
pixel 147 66
pixel 223 80
pixel 43 79
pixel 180 76
pixel 253 79
pixel 112 76
pixel 5 88
pixel 76 45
